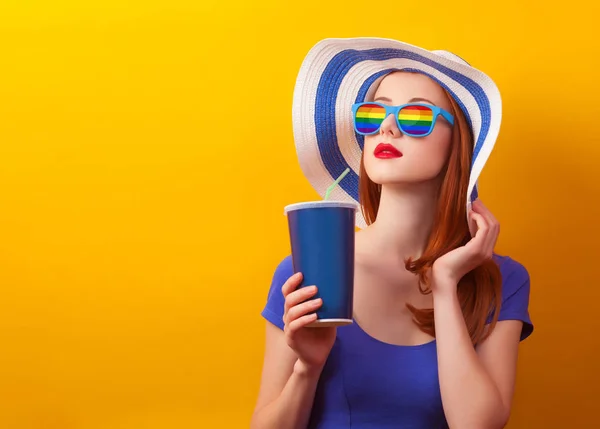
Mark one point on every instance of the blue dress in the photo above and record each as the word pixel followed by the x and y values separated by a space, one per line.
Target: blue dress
pixel 369 384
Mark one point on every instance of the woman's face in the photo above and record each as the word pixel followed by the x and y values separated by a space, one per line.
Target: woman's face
pixel 418 159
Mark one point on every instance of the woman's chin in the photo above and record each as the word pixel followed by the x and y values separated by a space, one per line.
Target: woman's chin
pixel 392 180
pixel 398 175
pixel 391 175
pixel 396 181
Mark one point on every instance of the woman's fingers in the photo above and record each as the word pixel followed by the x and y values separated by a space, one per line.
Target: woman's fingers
pixel 492 224
pixel 479 246
pixel 298 296
pixel 304 308
pixel 301 322
pixel 291 284
pixel 297 301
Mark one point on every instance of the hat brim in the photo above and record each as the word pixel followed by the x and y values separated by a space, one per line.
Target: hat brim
pixel 337 73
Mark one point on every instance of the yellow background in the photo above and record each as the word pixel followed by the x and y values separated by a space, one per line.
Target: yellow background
pixel 146 154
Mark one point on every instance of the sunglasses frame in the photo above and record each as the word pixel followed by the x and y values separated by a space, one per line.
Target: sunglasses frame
pixel 395 110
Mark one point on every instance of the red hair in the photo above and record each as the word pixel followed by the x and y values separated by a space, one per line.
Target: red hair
pixel 480 291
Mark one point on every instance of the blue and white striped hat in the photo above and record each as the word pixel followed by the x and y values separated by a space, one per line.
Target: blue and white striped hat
pixel 339 72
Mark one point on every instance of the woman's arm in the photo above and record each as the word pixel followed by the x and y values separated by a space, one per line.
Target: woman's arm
pixel 295 356
pixel 476 386
pixel 287 387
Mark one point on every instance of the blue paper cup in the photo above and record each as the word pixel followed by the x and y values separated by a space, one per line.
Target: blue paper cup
pixel 322 241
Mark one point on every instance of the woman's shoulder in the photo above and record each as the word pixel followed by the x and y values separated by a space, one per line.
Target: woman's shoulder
pixel 284 267
pixel 516 291
pixel 513 272
pixel 283 270
pixel 273 310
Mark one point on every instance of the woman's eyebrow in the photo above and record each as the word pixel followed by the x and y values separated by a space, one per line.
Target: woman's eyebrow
pixel 422 99
pixel 412 100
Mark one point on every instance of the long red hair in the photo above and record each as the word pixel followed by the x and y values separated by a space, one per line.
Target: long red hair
pixel 479 291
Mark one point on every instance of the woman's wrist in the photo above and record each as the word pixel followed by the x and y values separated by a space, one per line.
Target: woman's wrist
pixel 444 288
pixel 304 370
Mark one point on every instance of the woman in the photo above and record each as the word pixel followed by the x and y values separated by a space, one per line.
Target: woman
pixel 438 316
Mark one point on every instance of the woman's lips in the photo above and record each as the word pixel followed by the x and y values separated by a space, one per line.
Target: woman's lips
pixel 386 151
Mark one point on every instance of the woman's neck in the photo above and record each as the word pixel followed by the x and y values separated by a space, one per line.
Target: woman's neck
pixel 404 220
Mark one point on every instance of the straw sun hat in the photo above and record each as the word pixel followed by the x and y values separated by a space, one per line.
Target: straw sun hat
pixel 336 73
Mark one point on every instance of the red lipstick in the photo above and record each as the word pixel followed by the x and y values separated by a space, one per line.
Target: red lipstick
pixel 386 151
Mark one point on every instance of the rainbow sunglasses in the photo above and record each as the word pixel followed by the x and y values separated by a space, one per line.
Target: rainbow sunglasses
pixel 413 119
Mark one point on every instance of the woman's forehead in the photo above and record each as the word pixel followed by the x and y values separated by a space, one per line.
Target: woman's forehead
pixel 403 86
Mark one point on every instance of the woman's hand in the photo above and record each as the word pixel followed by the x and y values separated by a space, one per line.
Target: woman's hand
pixel 311 345
pixel 447 270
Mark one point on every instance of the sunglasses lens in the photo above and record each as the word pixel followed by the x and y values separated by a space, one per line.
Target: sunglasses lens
pixel 368 118
pixel 415 120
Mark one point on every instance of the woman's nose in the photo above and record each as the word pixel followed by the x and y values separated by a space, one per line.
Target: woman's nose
pixel 390 126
